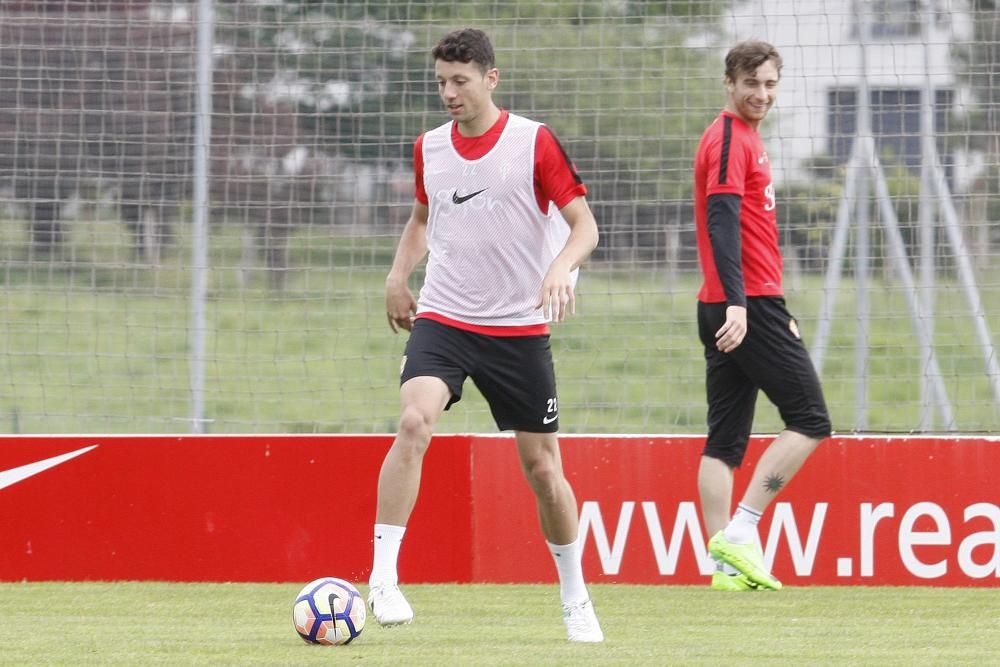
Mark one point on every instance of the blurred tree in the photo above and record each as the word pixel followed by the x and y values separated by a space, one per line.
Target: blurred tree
pixel 979 64
pixel 630 102
pixel 979 130
pixel 316 95
pixel 614 80
pixel 94 95
pixel 348 69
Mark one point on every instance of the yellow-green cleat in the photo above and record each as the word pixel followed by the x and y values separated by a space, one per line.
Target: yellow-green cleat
pixel 746 558
pixel 733 583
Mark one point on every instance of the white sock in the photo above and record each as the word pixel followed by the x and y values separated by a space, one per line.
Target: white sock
pixel 388 539
pixel 743 527
pixel 568 557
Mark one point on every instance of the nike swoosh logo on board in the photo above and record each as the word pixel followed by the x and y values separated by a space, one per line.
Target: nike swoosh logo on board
pixel 21 473
pixel 461 200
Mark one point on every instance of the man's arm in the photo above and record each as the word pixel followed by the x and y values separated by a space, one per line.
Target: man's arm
pixel 556 296
pixel 724 235
pixel 400 305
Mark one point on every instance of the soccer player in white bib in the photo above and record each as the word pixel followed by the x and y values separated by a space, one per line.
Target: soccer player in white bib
pixel 502 217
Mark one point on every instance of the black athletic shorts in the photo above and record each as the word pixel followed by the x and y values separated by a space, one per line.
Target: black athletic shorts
pixel 771 357
pixel 514 373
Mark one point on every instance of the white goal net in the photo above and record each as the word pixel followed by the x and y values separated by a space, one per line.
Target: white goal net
pixel 884 147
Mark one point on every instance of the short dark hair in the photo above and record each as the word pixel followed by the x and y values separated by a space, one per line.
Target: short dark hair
pixel 747 56
pixel 466 45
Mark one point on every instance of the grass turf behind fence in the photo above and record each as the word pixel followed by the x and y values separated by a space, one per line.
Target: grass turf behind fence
pixel 250 624
pixel 94 343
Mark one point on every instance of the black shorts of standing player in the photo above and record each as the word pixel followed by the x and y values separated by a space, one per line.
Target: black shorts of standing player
pixel 771 358
pixel 514 373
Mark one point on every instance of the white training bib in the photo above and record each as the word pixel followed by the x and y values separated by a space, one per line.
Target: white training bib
pixel 489 245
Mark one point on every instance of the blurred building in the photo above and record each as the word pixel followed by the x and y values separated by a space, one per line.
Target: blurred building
pixel 816 114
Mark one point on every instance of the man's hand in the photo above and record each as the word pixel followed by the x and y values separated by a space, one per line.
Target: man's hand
pixel 556 297
pixel 732 333
pixel 400 306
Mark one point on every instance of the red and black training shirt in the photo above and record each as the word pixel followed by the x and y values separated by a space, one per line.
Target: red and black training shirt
pixel 732 162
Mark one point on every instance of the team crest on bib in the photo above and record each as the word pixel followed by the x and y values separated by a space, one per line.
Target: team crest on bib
pixel 792 326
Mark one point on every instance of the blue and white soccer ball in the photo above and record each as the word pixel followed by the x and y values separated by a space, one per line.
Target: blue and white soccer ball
pixel 329 611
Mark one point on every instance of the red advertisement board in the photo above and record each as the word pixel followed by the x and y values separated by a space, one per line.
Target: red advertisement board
pixel 864 510
pixel 216 508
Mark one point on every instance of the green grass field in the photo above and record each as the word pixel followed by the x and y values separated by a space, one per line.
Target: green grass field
pixel 250 624
pixel 94 342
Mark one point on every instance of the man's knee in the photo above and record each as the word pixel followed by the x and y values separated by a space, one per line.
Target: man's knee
pixel 415 429
pixel 542 468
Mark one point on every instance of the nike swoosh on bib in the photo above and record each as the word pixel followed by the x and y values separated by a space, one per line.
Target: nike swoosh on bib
pixel 21 473
pixel 461 200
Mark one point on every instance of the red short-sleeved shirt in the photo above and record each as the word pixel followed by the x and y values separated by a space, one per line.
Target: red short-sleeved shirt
pixel 731 159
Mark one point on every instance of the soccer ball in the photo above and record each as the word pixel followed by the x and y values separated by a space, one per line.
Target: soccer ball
pixel 329 611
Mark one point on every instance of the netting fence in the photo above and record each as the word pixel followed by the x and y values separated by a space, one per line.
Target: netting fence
pixel 121 313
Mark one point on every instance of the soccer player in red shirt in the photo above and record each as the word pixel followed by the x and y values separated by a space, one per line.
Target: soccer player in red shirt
pixel 751 342
pixel 502 217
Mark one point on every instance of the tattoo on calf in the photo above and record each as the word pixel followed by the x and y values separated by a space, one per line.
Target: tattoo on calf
pixel 774 482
